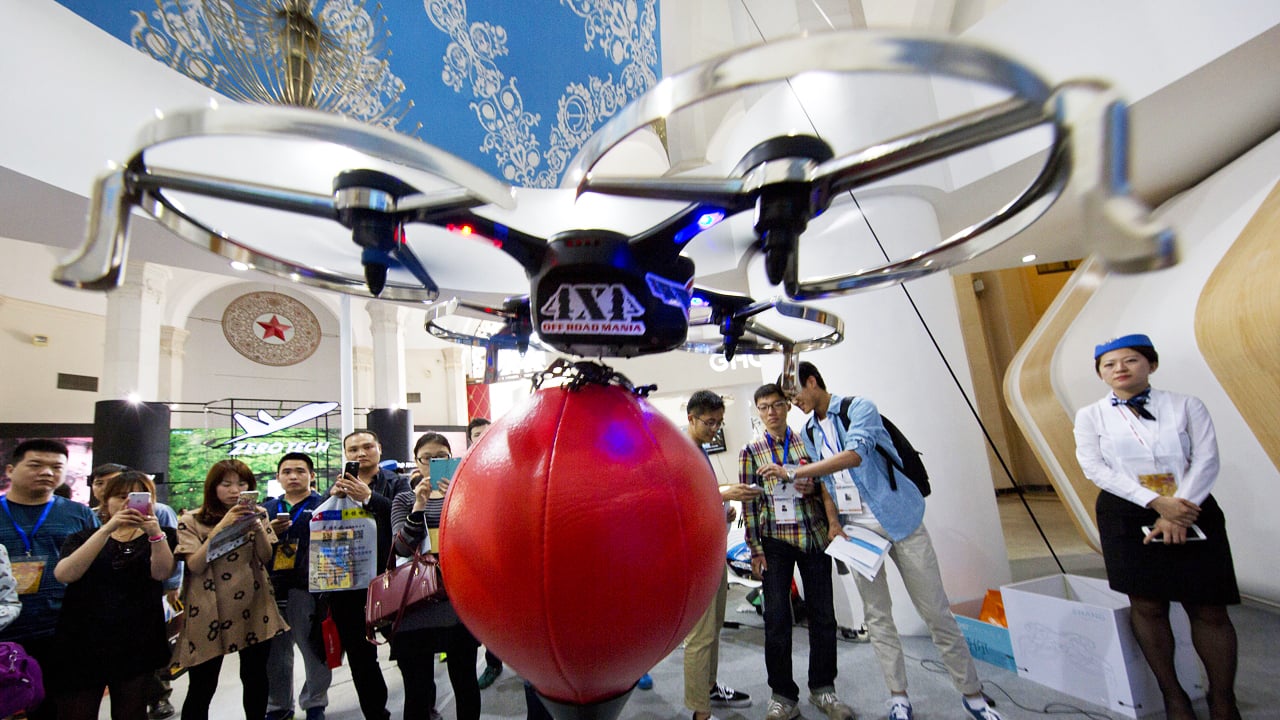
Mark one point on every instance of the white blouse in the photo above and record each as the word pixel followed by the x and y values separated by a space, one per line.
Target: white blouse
pixel 1115 446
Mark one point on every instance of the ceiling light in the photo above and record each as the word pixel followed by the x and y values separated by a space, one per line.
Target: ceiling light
pixel 133 398
pixel 1028 258
pixel 237 265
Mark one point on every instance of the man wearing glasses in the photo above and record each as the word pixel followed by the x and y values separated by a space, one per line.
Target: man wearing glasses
pixel 702 648
pixel 787 529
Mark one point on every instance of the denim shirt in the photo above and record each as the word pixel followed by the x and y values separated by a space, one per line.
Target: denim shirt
pixel 899 511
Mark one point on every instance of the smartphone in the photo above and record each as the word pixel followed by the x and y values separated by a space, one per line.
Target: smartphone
pixel 352 468
pixel 140 501
pixel 442 469
pixel 1193 533
pixel 249 498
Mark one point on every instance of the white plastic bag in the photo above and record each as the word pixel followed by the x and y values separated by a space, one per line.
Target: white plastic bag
pixel 344 543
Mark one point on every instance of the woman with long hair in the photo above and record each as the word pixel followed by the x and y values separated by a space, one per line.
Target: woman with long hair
pixel 1154 454
pixel 111 631
pixel 415 518
pixel 230 605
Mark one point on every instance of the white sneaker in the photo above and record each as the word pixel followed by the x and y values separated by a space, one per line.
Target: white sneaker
pixel 829 703
pixel 899 708
pixel 781 710
pixel 985 713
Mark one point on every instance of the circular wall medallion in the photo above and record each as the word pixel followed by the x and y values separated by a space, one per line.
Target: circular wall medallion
pixel 271 329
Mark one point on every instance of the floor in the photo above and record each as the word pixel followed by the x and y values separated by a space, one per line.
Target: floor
pixel 859 682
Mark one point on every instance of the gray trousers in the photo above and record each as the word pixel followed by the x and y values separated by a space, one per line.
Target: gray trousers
pixel 918 565
pixel 298 612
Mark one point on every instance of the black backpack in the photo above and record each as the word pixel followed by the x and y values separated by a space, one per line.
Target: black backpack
pixel 912 466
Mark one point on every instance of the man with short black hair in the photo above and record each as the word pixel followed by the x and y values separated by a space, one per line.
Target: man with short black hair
pixel 372 488
pixel 858 491
pixel 787 529
pixel 34 526
pixel 702 647
pixel 290 516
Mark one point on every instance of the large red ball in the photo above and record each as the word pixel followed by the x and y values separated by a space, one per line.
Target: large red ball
pixel 582 538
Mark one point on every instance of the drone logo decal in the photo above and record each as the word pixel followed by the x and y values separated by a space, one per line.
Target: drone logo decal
pixel 592 308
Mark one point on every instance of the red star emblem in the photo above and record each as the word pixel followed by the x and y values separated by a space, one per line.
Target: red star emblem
pixel 275 328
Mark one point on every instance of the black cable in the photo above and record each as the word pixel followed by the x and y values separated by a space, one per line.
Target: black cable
pixel 954 378
pixel 1053 708
pixel 1022 495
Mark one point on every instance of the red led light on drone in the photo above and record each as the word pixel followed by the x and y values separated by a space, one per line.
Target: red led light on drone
pixel 466 230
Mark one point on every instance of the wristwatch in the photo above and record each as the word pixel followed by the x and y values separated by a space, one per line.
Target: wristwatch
pixel 791 474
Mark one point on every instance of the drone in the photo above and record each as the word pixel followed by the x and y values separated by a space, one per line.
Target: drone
pixel 605 293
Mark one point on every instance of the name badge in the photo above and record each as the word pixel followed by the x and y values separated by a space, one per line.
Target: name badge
pixel 1161 483
pixel 286 555
pixel 784 500
pixel 29 571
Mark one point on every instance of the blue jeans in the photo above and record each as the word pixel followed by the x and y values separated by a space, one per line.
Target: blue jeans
pixel 815 571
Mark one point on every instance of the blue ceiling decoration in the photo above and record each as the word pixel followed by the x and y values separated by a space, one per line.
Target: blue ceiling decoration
pixel 513 87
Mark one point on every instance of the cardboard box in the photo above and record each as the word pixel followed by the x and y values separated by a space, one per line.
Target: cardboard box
pixel 987 642
pixel 1072 634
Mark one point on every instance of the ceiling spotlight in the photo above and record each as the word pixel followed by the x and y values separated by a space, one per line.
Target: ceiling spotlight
pixel 1028 258
pixel 240 266
pixel 133 398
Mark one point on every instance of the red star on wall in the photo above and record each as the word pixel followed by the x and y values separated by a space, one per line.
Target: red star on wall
pixel 274 328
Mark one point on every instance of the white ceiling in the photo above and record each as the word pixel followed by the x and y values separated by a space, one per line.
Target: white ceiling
pixel 1200 78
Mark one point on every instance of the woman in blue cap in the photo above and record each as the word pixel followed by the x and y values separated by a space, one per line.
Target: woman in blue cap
pixel 1164 539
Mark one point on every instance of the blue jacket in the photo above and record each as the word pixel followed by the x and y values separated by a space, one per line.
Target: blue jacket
pixel 899 511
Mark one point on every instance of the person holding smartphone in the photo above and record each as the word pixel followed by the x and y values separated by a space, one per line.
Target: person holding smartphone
pixel 291 519
pixel 415 518
pixel 227 546
pixel 1154 454
pixel 111 632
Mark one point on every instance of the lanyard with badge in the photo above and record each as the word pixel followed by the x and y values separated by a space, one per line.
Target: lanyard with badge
pixel 1161 482
pixel 847 497
pixel 784 496
pixel 286 555
pixel 28 570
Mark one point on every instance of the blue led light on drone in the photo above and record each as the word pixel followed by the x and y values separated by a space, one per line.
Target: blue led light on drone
pixel 704 221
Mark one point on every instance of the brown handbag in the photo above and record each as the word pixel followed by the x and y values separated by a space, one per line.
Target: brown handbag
pixel 399 590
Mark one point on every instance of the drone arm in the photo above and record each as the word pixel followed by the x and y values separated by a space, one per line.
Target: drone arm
pixel 943 139
pixel 714 191
pixel 295 201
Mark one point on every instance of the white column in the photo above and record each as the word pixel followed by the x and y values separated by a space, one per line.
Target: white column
pixel 455 383
pixel 386 326
pixel 173 344
pixel 131 362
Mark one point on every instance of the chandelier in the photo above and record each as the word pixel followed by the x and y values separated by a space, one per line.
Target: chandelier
pixel 321 54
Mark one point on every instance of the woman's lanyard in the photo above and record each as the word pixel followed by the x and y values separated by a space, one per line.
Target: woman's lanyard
pixel 1128 416
pixel 786 443
pixel 26 539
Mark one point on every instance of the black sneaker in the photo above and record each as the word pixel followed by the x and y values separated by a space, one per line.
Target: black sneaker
pixel 161 710
pixel 722 696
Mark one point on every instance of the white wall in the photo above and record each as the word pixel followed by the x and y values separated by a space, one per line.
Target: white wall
pixel 1208 219
pixel 214 370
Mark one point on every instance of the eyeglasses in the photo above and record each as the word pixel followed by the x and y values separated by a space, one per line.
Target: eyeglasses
pixel 710 424
pixel 426 459
pixel 779 406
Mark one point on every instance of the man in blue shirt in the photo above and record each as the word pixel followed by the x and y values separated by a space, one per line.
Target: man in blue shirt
pixel 291 519
pixel 33 525
pixel 858 491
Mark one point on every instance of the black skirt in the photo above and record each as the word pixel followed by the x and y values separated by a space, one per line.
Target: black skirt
pixel 1198 572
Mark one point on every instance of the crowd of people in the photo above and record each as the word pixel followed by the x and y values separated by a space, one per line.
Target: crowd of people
pixel 81 589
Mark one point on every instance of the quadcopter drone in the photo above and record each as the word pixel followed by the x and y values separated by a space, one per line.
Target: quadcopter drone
pixel 598 292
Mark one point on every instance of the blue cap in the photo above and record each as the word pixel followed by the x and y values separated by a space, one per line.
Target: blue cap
pixel 1124 341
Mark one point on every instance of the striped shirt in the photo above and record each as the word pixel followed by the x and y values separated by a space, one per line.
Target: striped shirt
pixel 809 531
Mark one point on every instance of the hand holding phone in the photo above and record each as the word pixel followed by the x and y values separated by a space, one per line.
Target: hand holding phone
pixel 443 469
pixel 352 468
pixel 140 501
pixel 249 498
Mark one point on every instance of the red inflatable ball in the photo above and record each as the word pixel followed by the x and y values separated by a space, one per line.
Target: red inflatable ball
pixel 582 538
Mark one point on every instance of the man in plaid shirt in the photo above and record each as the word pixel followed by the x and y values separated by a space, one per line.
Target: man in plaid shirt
pixel 786 529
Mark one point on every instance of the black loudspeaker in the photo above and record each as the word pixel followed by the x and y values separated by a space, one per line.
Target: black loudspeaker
pixel 395 430
pixel 132 433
